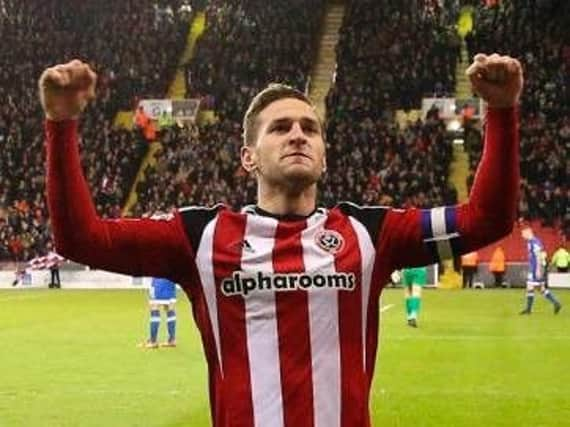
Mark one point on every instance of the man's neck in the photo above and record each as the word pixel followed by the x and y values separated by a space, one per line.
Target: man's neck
pixel 280 202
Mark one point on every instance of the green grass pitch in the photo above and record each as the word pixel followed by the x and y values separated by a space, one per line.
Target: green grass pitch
pixel 69 358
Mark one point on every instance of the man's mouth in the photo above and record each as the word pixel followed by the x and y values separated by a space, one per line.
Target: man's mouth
pixel 295 154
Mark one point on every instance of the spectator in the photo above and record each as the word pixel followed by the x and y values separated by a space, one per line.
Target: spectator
pixel 469 263
pixel 561 259
pixel 497 266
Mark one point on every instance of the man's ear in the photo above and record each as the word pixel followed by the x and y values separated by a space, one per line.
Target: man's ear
pixel 248 158
pixel 324 164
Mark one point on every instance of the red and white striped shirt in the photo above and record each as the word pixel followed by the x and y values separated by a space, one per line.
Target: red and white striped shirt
pixel 51 260
pixel 287 307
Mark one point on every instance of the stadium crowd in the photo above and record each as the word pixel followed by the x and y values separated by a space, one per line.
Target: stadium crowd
pixel 373 162
pixel 249 44
pixel 181 178
pixel 537 33
pixel 37 35
pixel 389 56
pixel 370 160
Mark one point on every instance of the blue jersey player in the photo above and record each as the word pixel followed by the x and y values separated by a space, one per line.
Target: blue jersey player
pixel 162 293
pixel 536 271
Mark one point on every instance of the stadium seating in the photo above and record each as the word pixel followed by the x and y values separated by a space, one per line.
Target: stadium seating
pixel 537 34
pixel 389 56
pixel 401 175
pixel 52 31
pixel 247 44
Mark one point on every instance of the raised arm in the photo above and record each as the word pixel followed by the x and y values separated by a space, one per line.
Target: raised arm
pixel 418 237
pixel 130 246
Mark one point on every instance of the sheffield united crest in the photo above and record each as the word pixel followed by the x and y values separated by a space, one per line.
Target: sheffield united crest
pixel 330 241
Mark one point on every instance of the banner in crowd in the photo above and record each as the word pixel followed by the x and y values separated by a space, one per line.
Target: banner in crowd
pixel 154 108
pixel 185 109
pixel 180 109
pixel 452 108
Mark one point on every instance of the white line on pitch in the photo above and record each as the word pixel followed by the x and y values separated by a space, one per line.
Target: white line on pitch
pixel 386 308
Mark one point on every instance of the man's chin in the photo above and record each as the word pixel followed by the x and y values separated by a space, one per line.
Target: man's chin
pixel 293 177
pixel 300 177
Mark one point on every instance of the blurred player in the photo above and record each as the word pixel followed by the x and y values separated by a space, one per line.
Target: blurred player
pixel 162 293
pixel 413 280
pixel 19 275
pixel 537 271
pixel 285 294
pixel 51 262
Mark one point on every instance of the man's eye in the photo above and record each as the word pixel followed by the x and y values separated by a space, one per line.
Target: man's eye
pixel 310 130
pixel 280 129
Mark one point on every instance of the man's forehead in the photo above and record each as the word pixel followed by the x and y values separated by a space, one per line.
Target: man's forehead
pixel 288 108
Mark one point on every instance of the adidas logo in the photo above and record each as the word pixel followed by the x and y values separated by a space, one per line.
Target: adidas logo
pixel 241 246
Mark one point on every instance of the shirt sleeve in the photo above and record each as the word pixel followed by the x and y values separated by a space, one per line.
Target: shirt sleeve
pixel 414 237
pixel 139 247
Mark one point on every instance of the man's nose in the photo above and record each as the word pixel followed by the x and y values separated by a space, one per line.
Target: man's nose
pixel 297 136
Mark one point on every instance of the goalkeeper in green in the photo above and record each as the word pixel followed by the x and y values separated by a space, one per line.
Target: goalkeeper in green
pixel 413 280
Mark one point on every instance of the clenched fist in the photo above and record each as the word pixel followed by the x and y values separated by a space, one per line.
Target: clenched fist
pixel 65 89
pixel 497 79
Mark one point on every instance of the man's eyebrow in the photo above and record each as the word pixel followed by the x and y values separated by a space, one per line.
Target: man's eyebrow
pixel 309 120
pixel 280 121
pixel 286 120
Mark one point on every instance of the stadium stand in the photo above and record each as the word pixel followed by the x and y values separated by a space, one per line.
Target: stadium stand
pixel 128 67
pixel 400 176
pixel 390 54
pixel 537 33
pixel 371 160
pixel 247 44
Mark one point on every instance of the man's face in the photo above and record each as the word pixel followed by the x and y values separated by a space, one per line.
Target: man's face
pixel 526 233
pixel 289 148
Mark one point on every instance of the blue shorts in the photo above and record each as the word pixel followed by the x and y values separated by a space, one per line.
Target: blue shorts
pixel 162 291
pixel 536 278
